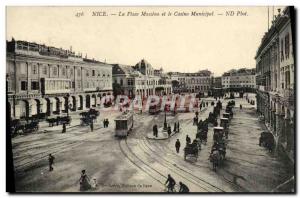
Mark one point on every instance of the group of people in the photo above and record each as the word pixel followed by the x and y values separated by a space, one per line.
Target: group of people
pixel 170 183
pixel 105 123
pixel 169 129
pixel 86 183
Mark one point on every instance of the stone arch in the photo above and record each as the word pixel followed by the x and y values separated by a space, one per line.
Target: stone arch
pixel 74 103
pixel 24 109
pixel 94 100
pixel 57 105
pixel 49 106
pixel 80 102
pixel 38 105
pixel 88 101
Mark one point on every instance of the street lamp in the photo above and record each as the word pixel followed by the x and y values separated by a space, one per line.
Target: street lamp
pixel 67 105
pixel 165 121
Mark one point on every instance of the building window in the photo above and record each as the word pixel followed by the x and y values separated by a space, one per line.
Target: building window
pixel 87 72
pixel 34 69
pixel 35 85
pixel 45 70
pixel 54 71
pixel 63 71
pixel 78 72
pixel 23 85
pixel 71 72
pixel 121 82
pixel 287 46
pixel 73 85
pixel 281 51
pixel 287 79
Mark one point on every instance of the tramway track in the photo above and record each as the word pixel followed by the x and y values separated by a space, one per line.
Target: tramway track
pixel 181 171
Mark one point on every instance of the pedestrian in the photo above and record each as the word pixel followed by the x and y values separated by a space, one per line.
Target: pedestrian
pixel 170 183
pixel 188 139
pixel 177 145
pixel 104 123
pixel 194 122
pixel 51 161
pixel 174 130
pixel 107 122
pixel 183 188
pixel 92 126
pixel 154 131
pixel 84 181
pixel 178 127
pixel 169 130
pixel 64 128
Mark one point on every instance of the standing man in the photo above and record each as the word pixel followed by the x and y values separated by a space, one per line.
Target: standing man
pixel 92 125
pixel 64 128
pixel 104 123
pixel 177 145
pixel 107 122
pixel 51 162
pixel 178 127
pixel 188 139
pixel 174 130
pixel 169 130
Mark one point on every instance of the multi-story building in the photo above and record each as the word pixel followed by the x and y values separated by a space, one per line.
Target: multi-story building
pixel 194 82
pixel 140 79
pixel 217 89
pixel 239 80
pixel 275 79
pixel 44 80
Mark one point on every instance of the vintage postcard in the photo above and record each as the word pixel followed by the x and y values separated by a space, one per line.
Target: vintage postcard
pixel 154 99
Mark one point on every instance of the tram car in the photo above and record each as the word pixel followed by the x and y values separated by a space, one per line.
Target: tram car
pixel 124 124
pixel 154 109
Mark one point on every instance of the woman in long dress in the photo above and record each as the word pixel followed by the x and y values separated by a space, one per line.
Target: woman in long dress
pixel 84 181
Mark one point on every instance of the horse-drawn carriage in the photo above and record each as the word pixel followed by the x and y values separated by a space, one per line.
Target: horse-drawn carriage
pixel 267 140
pixel 217 155
pixel 229 110
pixel 22 126
pixel 124 123
pixel 227 115
pixel 59 120
pixel 225 124
pixel 191 150
pixel 218 134
pixel 218 150
pixel 88 116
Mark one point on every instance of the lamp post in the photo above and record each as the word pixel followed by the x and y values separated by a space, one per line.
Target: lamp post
pixel 165 121
pixel 67 104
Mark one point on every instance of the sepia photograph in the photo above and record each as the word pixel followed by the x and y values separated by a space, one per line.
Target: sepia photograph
pixel 150 99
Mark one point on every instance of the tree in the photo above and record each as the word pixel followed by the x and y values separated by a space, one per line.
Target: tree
pixel 117 89
pixel 175 83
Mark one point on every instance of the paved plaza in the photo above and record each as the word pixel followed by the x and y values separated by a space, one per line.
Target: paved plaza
pixel 141 164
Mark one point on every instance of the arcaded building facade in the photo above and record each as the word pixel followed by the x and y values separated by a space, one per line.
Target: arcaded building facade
pixel 43 80
pixel 276 80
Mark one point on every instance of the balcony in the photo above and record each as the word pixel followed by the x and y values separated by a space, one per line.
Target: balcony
pixel 289 95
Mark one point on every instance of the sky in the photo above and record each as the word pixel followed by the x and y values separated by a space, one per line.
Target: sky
pixel 175 43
